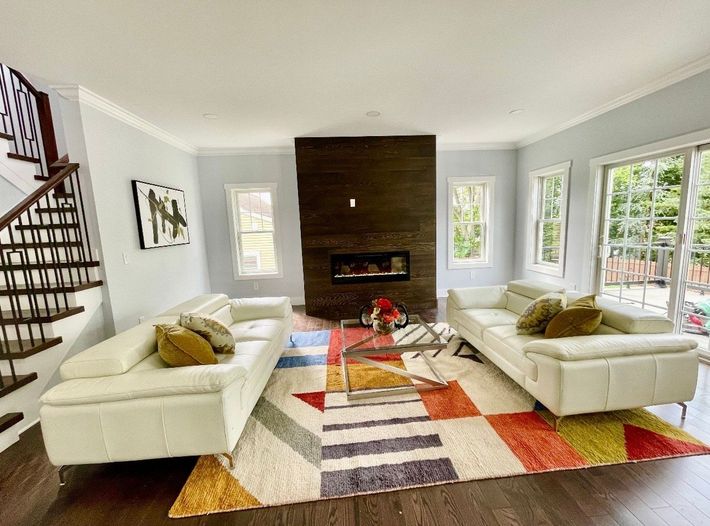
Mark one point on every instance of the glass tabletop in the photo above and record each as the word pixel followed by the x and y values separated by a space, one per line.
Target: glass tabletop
pixel 417 334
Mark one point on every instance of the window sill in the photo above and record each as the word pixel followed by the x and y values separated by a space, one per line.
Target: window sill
pixel 253 277
pixel 543 269
pixel 464 266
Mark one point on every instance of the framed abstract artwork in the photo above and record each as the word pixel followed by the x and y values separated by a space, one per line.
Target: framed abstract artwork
pixel 161 215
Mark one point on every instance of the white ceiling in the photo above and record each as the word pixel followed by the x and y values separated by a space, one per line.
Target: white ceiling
pixel 274 70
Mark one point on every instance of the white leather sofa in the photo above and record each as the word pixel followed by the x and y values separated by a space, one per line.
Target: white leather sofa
pixel 119 400
pixel 632 360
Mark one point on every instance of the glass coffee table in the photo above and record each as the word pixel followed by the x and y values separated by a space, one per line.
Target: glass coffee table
pixel 417 337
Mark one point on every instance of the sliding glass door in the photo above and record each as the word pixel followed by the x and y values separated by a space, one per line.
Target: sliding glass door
pixel 694 318
pixel 655 237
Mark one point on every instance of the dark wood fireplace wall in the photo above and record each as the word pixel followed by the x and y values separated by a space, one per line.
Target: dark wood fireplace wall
pixel 393 182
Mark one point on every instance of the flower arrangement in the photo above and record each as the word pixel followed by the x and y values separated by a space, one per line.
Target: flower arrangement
pixel 384 315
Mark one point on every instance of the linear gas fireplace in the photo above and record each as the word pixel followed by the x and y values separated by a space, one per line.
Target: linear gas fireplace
pixel 369 267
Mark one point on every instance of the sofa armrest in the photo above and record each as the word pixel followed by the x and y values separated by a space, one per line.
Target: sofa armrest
pixel 478 298
pixel 609 346
pixel 243 309
pixel 145 384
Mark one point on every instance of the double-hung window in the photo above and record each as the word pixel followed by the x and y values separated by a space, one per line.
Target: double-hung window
pixel 252 211
pixel 469 221
pixel 548 219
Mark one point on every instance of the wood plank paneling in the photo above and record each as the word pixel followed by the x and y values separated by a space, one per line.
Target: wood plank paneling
pixel 393 180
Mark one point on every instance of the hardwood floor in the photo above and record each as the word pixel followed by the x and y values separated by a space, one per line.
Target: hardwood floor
pixel 672 492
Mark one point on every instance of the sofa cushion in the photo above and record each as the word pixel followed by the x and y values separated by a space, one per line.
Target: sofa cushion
pixel 610 346
pixel 631 319
pixel 203 303
pixel 532 289
pixel 250 330
pixel 478 320
pixel 115 355
pixel 181 347
pixel 478 297
pixel 505 341
pixel 256 308
pixel 539 313
pixel 144 384
pixel 211 329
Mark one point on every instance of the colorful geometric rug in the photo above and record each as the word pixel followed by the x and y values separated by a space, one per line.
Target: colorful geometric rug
pixel 305 441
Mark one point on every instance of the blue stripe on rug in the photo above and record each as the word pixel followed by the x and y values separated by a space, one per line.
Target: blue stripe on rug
pixel 286 362
pixel 309 339
pixel 386 477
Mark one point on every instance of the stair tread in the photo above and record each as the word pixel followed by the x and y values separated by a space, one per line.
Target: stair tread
pixel 55 210
pixel 43 244
pixel 63 195
pixel 50 264
pixel 58 226
pixel 44 316
pixel 11 384
pixel 20 157
pixel 6 136
pixel 50 288
pixel 18 349
pixel 10 419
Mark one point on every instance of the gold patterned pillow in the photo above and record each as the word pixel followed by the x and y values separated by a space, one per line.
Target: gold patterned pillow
pixel 538 314
pixel 180 347
pixel 211 329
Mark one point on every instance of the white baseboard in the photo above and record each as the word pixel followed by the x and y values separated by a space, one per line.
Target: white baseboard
pixel 298 300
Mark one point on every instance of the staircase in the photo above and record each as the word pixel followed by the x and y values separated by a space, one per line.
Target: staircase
pixel 49 284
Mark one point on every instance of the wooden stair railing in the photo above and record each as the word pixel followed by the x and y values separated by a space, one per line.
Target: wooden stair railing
pixel 26 121
pixel 45 255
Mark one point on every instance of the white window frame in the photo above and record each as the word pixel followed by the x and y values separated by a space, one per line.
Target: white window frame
pixel 230 190
pixel 534 262
pixel 486 259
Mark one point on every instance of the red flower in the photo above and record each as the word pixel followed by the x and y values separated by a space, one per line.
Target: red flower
pixel 384 304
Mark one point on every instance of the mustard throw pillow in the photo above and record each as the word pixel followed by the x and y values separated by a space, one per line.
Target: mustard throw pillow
pixel 590 302
pixel 179 346
pixel 211 329
pixel 574 321
pixel 538 314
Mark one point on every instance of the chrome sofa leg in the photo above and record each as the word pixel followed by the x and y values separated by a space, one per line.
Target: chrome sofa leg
pixel 558 421
pixel 63 474
pixel 290 338
pixel 684 412
pixel 230 459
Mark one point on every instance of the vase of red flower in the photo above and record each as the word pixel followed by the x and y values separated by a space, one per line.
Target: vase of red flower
pixel 384 315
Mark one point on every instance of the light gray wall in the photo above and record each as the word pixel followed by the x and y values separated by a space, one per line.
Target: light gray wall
pixel 502 165
pixel 217 171
pixel 10 195
pixel 155 279
pixel 678 109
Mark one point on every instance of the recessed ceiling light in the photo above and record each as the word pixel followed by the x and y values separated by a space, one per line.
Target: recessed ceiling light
pixel 210 116
pixel 516 111
pixel 373 113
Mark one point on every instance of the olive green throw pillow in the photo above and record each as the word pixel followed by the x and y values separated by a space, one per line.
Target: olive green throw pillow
pixel 538 314
pixel 179 346
pixel 574 321
pixel 581 318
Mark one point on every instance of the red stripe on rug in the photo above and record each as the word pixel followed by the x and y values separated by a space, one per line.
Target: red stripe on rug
pixel 534 442
pixel 642 444
pixel 444 404
pixel 354 335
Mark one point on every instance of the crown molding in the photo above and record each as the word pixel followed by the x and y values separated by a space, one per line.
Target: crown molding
pixel 76 93
pixel 682 73
pixel 257 150
pixel 474 146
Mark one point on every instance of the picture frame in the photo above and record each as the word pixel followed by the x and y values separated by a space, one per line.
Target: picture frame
pixel 161 214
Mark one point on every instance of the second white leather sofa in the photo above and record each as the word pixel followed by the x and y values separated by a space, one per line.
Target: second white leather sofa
pixel 119 401
pixel 632 360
